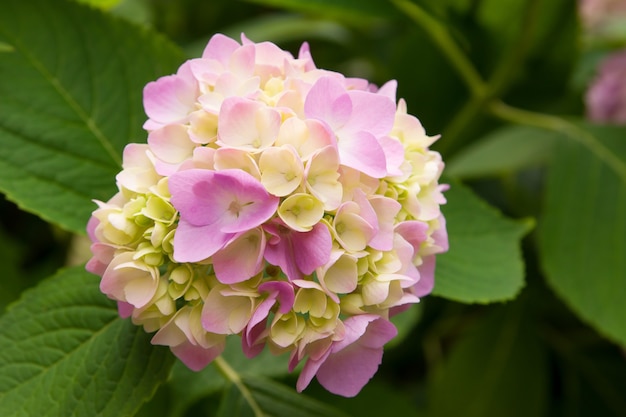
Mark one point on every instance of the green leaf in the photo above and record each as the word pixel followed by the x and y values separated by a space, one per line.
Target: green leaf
pixel 270 399
pixel 583 230
pixel 10 285
pixel 71 89
pixel 188 387
pixel 498 369
pixel 65 352
pixel 356 11
pixel 484 263
pixel 504 151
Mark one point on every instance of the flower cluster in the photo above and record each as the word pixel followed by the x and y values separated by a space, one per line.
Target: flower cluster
pixel 290 205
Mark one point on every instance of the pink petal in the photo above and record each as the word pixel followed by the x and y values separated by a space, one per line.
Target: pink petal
pixel 91 228
pixel 171 98
pixel 226 314
pixel 389 90
pixel 242 60
pixel 351 365
pixel 414 232
pixel 312 248
pixel 220 47
pixel 394 155
pixel 102 256
pixel 252 340
pixel 440 236
pixel 124 309
pixel 304 54
pixel 238 124
pixel 283 291
pixel 426 282
pixel 372 113
pixel 205 70
pixel 171 143
pixel 362 152
pixel 328 101
pixel 232 200
pixel 241 258
pixel 196 357
pixel 196 243
pixel 352 361
pixel 280 251
pixel 386 210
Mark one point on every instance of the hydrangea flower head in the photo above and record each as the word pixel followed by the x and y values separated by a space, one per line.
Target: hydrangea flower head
pixel 286 204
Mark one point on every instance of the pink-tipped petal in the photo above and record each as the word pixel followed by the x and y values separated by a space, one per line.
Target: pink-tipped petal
pixel 426 282
pixel 171 98
pixel 394 155
pixel 370 112
pixel 282 291
pixel 197 243
pixel 196 357
pixel 240 259
pixel 220 48
pixel 351 365
pixel 363 153
pixel 328 101
pixel 312 249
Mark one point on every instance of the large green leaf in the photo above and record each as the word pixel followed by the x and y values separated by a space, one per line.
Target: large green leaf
pixel 498 369
pixel 504 151
pixel 71 81
pixel 11 285
pixel 65 352
pixel 484 263
pixel 583 231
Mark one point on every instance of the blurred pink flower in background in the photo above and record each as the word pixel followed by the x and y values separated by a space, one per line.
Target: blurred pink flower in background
pixel 596 13
pixel 606 96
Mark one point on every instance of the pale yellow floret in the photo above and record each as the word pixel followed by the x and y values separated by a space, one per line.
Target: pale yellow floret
pixel 342 276
pixel 281 170
pixel 310 300
pixel 286 329
pixel 228 158
pixel 116 228
pixel 158 209
pixel 149 254
pixel 180 279
pixel 158 311
pixel 301 211
pixel 203 126
pixel 322 178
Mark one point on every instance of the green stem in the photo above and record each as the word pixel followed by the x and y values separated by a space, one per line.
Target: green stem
pixel 497 84
pixel 229 373
pixel 510 64
pixel 440 35
pixel 560 125
pixel 481 92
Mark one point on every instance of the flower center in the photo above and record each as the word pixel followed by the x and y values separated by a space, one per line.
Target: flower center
pixel 235 207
